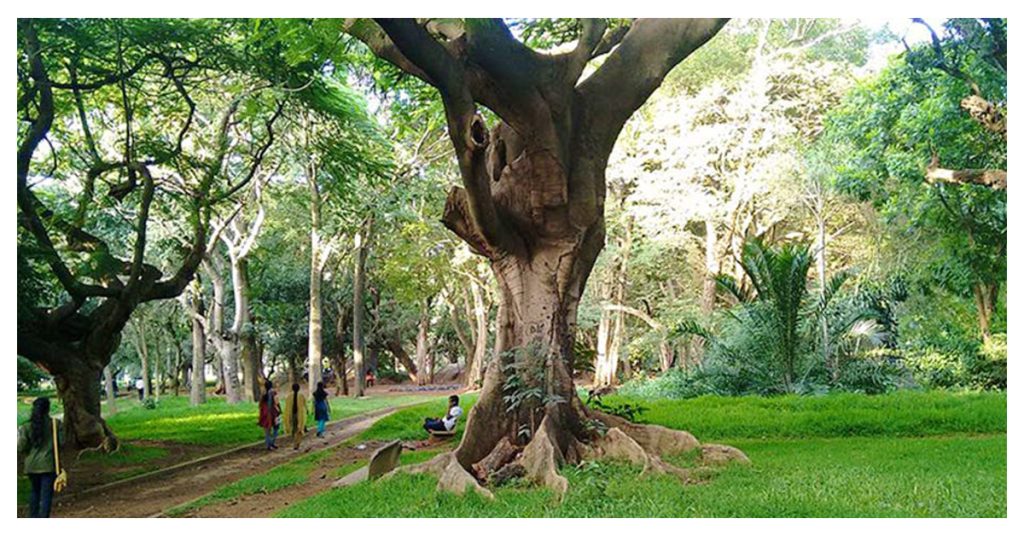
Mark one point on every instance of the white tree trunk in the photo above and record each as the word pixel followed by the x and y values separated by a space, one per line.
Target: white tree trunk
pixel 108 386
pixel 358 286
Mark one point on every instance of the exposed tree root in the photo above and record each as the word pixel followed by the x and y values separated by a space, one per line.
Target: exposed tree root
pixel 712 454
pixel 542 457
pixel 451 476
pixel 553 446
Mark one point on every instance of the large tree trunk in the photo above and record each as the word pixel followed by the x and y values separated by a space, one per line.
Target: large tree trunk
pixel 79 389
pixel 536 332
pixel 197 393
pixel 225 342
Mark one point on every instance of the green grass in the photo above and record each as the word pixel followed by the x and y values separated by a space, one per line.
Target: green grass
pixel 899 414
pixel 220 423
pixel 213 424
pixel 908 454
pixel 855 477
pixel 407 424
pixel 288 474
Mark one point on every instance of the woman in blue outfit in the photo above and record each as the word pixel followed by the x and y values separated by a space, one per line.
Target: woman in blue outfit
pixel 321 409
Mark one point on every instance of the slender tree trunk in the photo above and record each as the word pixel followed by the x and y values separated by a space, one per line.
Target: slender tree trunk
pixel 142 348
pixel 604 368
pixel 108 386
pixel 822 279
pixel 358 286
pixel 985 297
pixel 466 340
pixel 618 335
pixel 476 376
pixel 423 345
pixel 340 372
pixel 316 275
pixel 197 393
pixel 394 344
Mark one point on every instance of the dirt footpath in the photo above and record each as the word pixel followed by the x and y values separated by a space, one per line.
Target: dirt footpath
pixel 149 496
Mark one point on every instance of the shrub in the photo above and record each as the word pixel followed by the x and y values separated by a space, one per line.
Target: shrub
pixel 880 371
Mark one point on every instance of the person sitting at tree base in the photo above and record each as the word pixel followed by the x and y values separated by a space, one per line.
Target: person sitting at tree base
pixel 446 423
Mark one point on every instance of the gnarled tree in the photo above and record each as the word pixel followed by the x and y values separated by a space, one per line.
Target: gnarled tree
pixel 532 203
pixel 116 106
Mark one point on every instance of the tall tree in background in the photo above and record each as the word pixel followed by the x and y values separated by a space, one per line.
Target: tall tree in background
pixel 532 199
pixel 890 133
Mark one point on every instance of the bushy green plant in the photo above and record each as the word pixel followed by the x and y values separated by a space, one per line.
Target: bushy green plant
pixel 878 372
pixel 149 403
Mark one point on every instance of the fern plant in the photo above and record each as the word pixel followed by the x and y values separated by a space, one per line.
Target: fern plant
pixel 773 328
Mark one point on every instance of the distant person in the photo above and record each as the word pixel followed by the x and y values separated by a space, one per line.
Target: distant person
pixel 36 444
pixel 270 415
pixel 370 378
pixel 446 423
pixel 321 409
pixel 295 416
pixel 140 386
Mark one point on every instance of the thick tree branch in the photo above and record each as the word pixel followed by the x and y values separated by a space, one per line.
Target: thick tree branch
pixel 654 324
pixel 416 44
pixel 993 178
pixel 649 50
pixel 371 35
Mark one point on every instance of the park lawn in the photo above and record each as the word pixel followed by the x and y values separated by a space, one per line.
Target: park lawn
pixel 945 456
pixel 407 424
pixel 291 473
pixel 213 424
pixel 220 423
pixel 898 414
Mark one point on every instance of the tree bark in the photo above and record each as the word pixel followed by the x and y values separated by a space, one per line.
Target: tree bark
pixel 78 386
pixel 394 345
pixel 822 280
pixel 108 386
pixel 985 297
pixel 605 369
pixel 424 359
pixel 358 287
pixel 197 310
pixel 225 341
pixel 142 348
pixel 340 372
pixel 475 374
pixel 317 261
